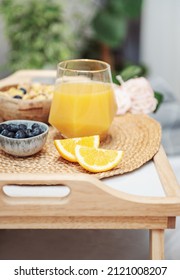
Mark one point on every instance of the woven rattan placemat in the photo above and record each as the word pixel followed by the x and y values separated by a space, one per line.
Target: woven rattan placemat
pixel 138 136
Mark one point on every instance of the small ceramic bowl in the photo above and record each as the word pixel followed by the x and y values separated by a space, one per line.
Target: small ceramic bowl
pixel 25 146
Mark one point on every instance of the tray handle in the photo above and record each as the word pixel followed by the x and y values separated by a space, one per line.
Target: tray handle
pixel 88 197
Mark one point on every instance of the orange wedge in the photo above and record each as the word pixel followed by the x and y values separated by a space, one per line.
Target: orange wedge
pixel 66 147
pixel 97 160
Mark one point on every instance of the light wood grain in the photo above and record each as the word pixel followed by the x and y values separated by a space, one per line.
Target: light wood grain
pixel 26 76
pixel 88 196
pixel 157 244
pixel 83 222
pixel 166 174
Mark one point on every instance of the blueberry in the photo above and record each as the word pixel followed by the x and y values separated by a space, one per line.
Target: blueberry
pixel 23 90
pixel 22 126
pixel 4 132
pixel 29 132
pixel 35 125
pixel 17 96
pixel 20 134
pixel 36 131
pixel 2 127
pixel 11 134
pixel 12 127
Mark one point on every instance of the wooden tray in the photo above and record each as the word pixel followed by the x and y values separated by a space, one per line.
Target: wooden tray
pixel 91 204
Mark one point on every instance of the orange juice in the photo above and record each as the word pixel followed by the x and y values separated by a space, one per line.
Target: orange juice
pixel 83 108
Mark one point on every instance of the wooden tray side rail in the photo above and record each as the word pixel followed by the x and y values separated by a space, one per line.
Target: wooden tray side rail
pixel 26 76
pixel 87 195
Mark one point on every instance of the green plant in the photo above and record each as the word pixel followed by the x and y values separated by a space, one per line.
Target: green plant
pixel 36 33
pixel 111 22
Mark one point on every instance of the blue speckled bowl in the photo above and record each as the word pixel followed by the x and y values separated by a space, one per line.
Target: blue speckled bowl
pixel 26 146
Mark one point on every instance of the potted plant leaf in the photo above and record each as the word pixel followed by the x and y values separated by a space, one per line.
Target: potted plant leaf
pixel 110 24
pixel 36 32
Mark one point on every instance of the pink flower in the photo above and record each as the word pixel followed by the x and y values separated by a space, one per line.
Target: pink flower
pixel 123 100
pixel 141 96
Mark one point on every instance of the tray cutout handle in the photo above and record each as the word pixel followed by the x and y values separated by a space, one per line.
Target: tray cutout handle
pixel 34 189
pixel 60 191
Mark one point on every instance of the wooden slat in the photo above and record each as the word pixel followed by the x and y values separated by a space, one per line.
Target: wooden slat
pixel 166 174
pixel 156 244
pixel 171 222
pixel 26 76
pixel 84 222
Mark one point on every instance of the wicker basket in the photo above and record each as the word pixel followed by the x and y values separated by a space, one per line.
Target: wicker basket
pixel 11 108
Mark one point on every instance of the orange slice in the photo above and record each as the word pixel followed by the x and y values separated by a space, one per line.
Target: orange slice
pixel 66 147
pixel 97 160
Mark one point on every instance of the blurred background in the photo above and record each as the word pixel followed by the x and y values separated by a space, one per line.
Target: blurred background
pixel 38 34
pixel 142 33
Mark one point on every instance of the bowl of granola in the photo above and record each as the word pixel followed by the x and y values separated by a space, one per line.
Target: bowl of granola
pixel 26 101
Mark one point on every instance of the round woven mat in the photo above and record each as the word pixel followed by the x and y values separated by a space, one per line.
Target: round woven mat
pixel 138 136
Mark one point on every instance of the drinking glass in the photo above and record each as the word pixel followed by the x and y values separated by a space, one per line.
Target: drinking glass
pixel 83 103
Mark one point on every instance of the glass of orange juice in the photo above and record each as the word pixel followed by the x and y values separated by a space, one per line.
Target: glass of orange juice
pixel 83 103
